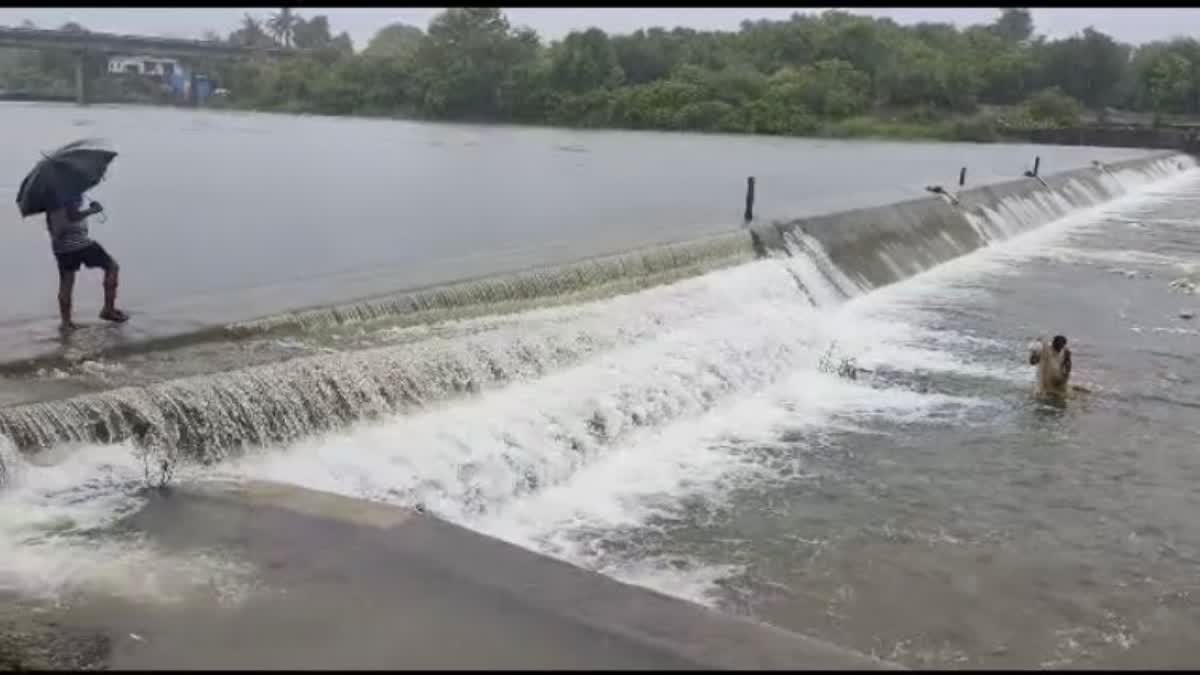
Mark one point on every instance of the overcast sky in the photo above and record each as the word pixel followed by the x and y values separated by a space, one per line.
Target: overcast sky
pixel 1129 25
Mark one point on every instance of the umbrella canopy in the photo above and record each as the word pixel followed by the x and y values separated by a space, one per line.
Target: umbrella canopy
pixel 65 173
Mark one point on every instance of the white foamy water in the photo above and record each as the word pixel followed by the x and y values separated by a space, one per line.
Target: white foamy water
pixel 616 440
pixel 685 387
pixel 611 440
pixel 50 546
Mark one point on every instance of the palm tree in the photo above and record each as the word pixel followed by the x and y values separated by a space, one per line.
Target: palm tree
pixel 252 31
pixel 251 25
pixel 283 26
pixel 251 34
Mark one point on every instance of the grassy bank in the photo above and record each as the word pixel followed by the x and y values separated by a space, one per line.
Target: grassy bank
pixel 919 124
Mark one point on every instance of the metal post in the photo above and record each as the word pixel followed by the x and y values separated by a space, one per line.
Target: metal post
pixel 749 215
pixel 1037 162
pixel 962 177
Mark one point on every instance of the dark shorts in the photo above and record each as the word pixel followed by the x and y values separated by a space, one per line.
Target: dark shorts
pixel 93 255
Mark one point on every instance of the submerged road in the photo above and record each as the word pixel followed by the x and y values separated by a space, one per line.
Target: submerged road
pixel 345 583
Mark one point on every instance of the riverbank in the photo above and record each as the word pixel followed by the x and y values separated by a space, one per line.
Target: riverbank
pixel 981 128
pixel 917 125
pixel 921 124
pixel 94 99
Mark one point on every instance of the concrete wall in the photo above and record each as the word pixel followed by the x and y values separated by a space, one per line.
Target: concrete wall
pixel 881 245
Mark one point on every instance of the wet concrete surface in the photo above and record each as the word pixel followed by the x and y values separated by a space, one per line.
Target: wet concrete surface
pixel 345 583
pixel 34 637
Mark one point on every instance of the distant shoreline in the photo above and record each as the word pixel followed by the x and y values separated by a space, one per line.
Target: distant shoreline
pixel 39 97
pixel 31 97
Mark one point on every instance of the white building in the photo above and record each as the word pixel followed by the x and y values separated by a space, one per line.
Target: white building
pixel 144 65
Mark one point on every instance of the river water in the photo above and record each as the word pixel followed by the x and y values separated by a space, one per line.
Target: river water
pixel 692 438
pixel 221 216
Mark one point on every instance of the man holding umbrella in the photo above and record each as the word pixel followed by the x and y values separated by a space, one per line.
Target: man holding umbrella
pixel 73 248
pixel 56 186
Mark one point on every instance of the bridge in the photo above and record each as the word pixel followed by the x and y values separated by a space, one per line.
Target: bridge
pixel 85 42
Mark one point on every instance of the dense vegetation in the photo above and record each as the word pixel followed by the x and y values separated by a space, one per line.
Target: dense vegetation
pixel 831 74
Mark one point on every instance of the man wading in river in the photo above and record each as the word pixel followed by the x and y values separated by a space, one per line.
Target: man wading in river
pixel 72 248
pixel 1053 362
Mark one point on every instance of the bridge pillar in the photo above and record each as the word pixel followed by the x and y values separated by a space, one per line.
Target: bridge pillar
pixel 193 90
pixel 81 79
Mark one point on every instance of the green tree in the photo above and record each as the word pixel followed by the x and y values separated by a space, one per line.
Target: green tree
pixel 466 58
pixel 832 88
pixel 283 26
pixel 833 72
pixel 647 56
pixel 585 61
pixel 655 105
pixel 944 37
pixel 342 43
pixel 1053 107
pixel 1006 77
pixel 1166 77
pixel 860 41
pixel 735 84
pixel 311 33
pixel 1015 25
pixel 527 94
pixel 1088 67
pixel 398 40
pixel 315 34
pixel 251 34
pixel 1170 84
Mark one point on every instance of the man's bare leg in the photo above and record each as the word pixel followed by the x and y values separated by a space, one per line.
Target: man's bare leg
pixel 110 311
pixel 66 287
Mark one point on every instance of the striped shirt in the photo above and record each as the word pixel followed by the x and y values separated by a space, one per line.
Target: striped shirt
pixel 66 236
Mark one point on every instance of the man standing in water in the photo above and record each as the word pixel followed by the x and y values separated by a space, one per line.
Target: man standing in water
pixel 72 248
pixel 1053 363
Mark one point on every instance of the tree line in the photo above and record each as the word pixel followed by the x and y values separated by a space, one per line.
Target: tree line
pixel 833 73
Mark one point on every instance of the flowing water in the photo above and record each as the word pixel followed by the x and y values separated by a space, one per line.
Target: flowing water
pixel 780 438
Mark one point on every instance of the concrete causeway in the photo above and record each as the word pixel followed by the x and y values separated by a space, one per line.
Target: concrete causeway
pixel 346 583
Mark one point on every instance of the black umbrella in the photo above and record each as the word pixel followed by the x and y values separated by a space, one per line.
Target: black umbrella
pixel 71 170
